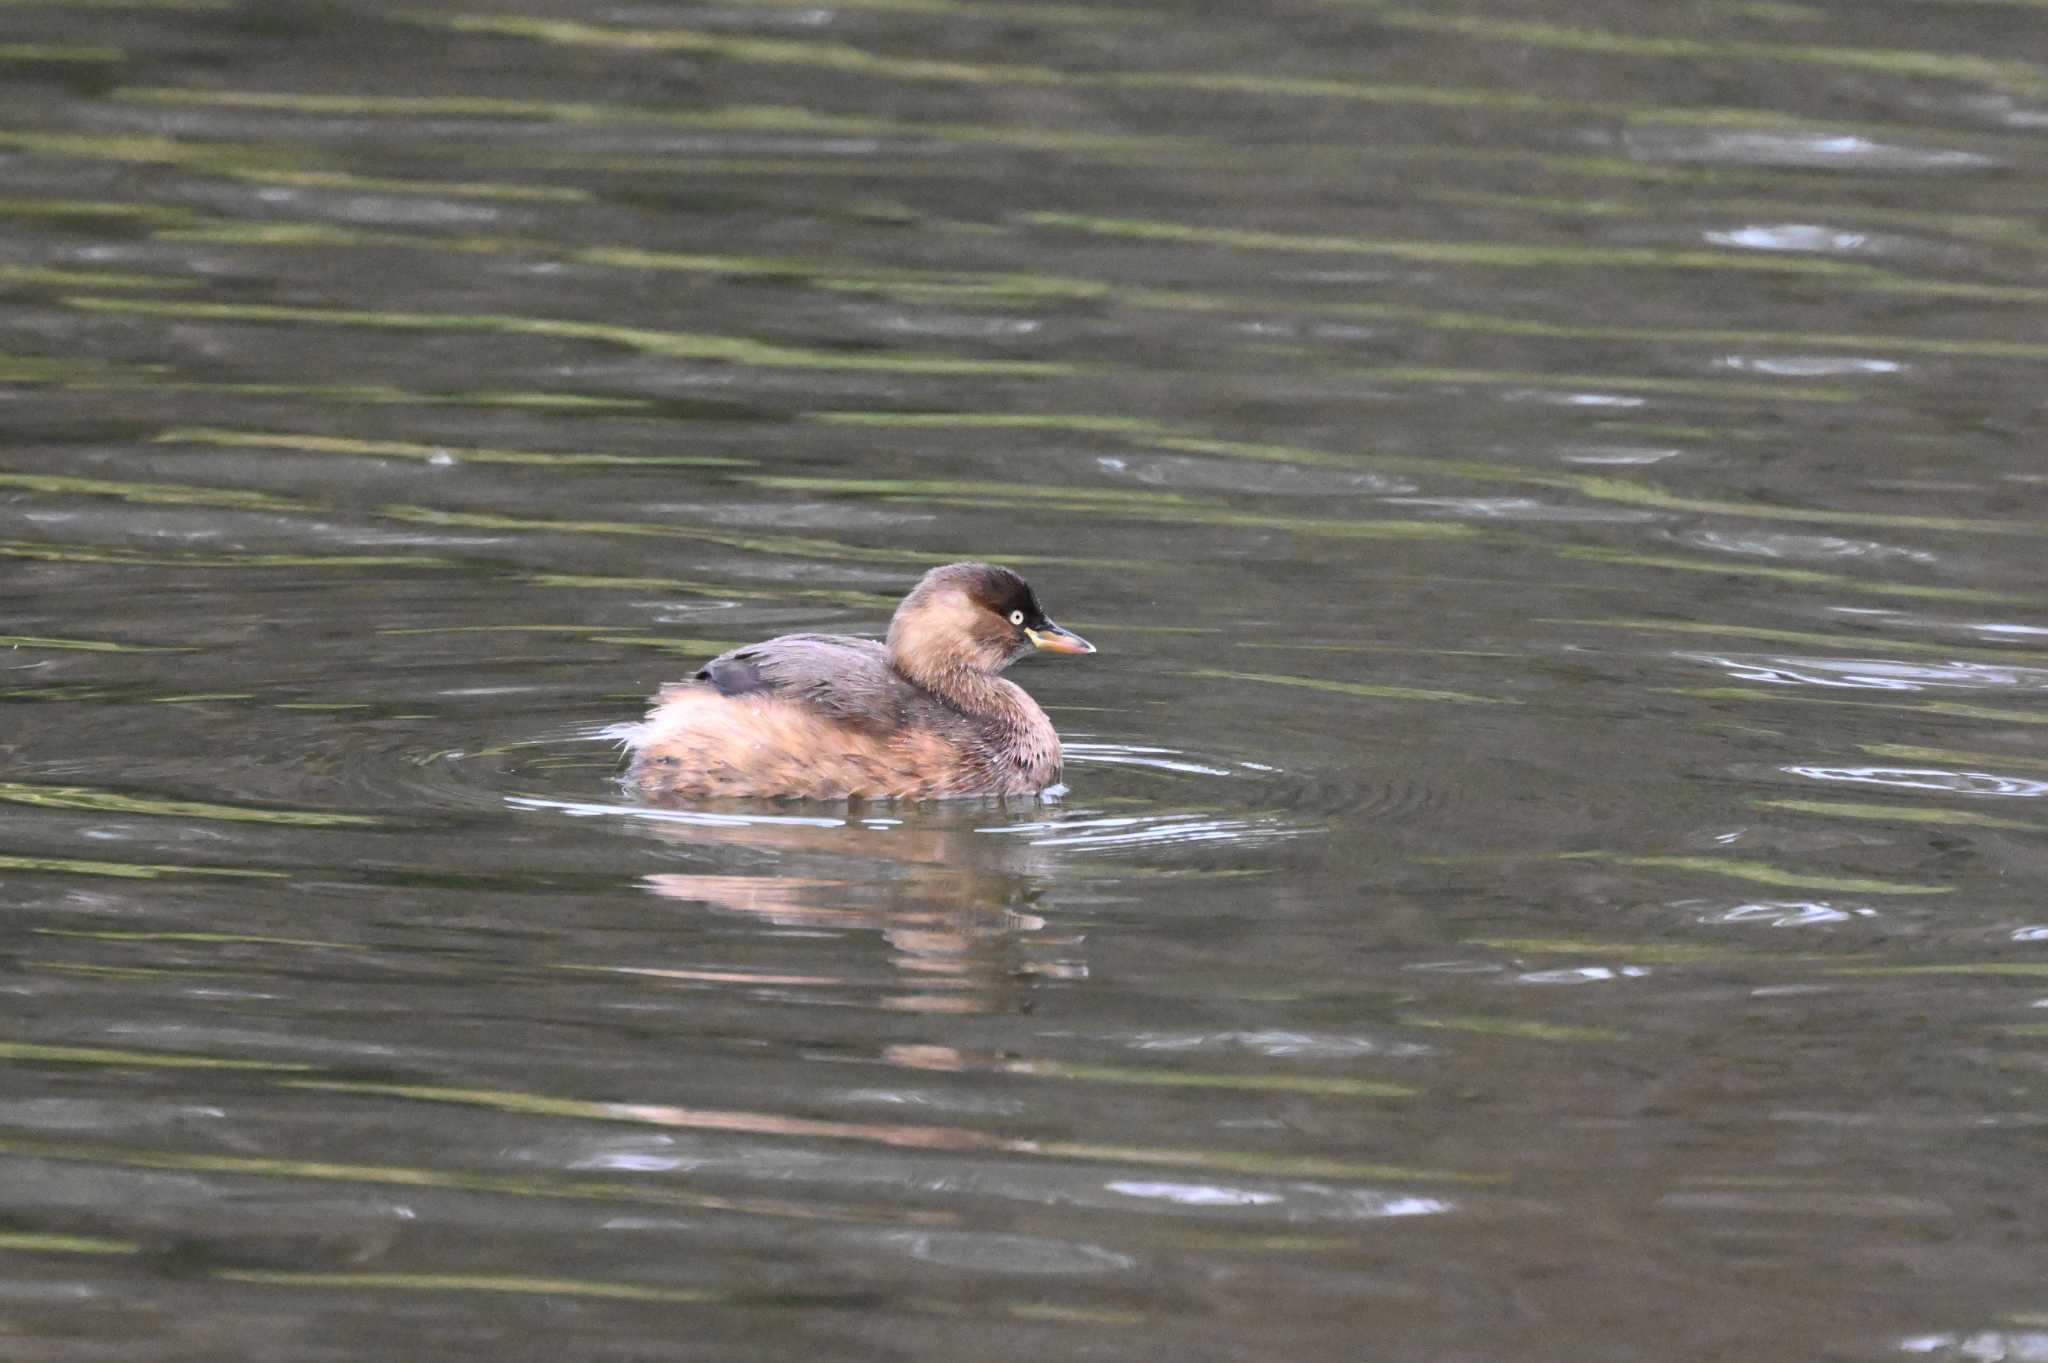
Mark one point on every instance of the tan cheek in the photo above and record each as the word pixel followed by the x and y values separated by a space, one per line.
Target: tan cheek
pixel 988 634
pixel 954 613
pixel 998 639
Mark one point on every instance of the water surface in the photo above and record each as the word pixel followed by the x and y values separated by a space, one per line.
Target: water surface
pixel 1553 861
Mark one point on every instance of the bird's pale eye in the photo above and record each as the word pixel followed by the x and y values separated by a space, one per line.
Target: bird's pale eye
pixel 1016 617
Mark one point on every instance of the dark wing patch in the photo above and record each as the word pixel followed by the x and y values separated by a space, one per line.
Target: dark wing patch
pixel 734 674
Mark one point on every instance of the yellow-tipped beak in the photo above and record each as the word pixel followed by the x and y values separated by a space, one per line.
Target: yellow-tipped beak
pixel 1053 639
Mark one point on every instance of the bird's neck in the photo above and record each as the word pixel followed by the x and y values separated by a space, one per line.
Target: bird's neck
pixel 968 689
pixel 1022 743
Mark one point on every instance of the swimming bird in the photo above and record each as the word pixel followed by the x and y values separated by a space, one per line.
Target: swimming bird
pixel 924 715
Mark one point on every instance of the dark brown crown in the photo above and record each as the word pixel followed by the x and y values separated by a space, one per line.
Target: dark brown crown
pixel 995 589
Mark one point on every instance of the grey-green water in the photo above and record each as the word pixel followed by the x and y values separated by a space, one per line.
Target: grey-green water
pixel 1555 864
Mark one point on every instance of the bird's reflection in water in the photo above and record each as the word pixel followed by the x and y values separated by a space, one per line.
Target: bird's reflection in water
pixel 953 900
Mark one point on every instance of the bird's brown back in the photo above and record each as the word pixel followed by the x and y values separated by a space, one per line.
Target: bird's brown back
pixel 841 677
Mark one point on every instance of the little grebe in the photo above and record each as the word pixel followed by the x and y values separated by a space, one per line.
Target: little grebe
pixel 828 716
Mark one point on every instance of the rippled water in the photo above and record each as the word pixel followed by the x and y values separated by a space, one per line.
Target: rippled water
pixel 1552 863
